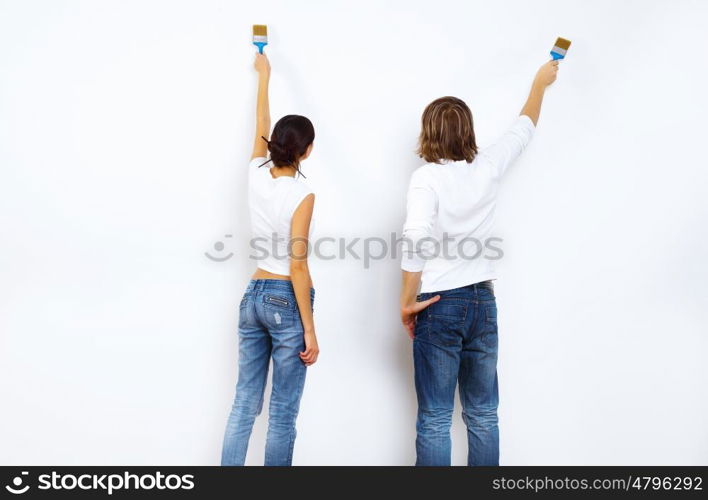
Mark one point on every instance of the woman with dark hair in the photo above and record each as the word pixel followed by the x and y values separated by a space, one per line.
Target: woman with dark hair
pixel 453 323
pixel 275 316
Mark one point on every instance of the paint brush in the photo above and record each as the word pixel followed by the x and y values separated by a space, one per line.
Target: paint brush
pixel 260 36
pixel 559 49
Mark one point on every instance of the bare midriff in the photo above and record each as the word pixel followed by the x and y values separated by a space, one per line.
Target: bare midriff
pixel 262 274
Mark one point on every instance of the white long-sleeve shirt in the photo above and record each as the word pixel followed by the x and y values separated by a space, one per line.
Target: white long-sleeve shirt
pixel 450 214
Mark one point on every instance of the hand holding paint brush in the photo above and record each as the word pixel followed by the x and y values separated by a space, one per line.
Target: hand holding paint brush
pixel 545 76
pixel 262 65
pixel 547 73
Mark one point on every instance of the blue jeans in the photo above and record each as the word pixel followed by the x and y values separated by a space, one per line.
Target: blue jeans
pixel 269 327
pixel 456 341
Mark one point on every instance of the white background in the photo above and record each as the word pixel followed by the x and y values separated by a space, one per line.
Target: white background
pixel 125 131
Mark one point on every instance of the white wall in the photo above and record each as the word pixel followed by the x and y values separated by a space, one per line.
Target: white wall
pixel 125 129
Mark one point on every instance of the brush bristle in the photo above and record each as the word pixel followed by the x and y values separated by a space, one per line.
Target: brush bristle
pixel 260 30
pixel 562 43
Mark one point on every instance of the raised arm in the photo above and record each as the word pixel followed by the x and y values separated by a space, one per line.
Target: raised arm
pixel 509 146
pixel 544 77
pixel 260 148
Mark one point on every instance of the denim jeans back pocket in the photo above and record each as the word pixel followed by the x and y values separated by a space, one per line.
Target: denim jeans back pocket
pixel 442 323
pixel 278 300
pixel 450 308
pixel 280 311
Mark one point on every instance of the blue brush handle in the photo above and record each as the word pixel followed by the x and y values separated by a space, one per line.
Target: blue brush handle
pixel 556 56
pixel 260 46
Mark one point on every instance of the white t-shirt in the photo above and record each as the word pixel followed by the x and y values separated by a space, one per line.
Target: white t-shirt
pixel 450 214
pixel 272 203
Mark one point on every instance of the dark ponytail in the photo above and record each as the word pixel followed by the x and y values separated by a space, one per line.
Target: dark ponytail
pixel 291 137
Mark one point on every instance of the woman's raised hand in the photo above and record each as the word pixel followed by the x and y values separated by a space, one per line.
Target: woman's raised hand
pixel 262 65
